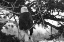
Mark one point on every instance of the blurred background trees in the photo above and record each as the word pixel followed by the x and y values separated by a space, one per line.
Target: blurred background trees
pixel 44 10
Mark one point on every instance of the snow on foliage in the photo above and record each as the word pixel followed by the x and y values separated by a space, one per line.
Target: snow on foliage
pixel 10 28
pixel 5 11
pixel 42 33
pixel 55 23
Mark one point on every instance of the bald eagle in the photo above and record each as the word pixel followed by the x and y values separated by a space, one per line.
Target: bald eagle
pixel 25 20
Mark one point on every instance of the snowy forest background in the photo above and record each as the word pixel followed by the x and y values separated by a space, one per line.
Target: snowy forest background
pixel 48 17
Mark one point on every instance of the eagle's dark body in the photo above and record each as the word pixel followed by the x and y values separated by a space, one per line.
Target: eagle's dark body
pixel 25 21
